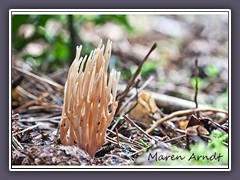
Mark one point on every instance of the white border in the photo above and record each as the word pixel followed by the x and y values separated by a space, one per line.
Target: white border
pixel 121 11
pixel 229 88
pixel 120 168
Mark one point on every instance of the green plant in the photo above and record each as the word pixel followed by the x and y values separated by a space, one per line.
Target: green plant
pixel 212 153
pixel 148 67
pixel 212 71
pixel 222 101
pixel 143 143
pixel 58 36
pixel 201 83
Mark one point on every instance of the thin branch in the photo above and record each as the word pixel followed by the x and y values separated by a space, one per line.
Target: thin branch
pixel 182 113
pixel 166 101
pixel 112 141
pixel 17 82
pixel 51 119
pixel 173 139
pixel 134 95
pixel 50 106
pixel 51 82
pixel 71 43
pixel 133 142
pixel 218 126
pixel 26 93
pixel 140 151
pixel 29 103
pixel 16 143
pixel 122 95
pixel 27 129
pixel 118 144
pixel 196 86
pixel 139 128
pixel 115 124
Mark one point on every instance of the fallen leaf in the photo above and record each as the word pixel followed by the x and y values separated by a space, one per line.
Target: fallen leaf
pixel 145 109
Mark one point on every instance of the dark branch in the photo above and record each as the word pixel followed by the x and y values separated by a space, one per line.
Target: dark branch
pixel 122 95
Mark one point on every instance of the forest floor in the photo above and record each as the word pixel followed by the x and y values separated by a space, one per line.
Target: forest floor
pixel 163 110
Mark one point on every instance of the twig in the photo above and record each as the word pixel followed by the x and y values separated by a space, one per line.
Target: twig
pixel 224 120
pixel 71 42
pixel 117 138
pixel 166 101
pixel 16 143
pixel 56 85
pixel 13 147
pixel 125 138
pixel 115 123
pixel 24 92
pixel 139 128
pixel 173 139
pixel 29 103
pixel 140 151
pixel 122 95
pixel 180 131
pixel 218 126
pixel 17 82
pixel 182 113
pixel 45 107
pixel 40 119
pixel 27 129
pixel 112 141
pixel 134 95
pixel 187 142
pixel 126 103
pixel 196 86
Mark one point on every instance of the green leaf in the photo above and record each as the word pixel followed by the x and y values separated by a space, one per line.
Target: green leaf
pixel 119 19
pixel 126 74
pixel 148 67
pixel 61 51
pixel 42 19
pixel 212 71
pixel 201 83
pixel 17 21
pixel 143 143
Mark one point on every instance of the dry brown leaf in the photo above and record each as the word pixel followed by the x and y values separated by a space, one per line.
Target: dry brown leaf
pixel 183 124
pixel 145 107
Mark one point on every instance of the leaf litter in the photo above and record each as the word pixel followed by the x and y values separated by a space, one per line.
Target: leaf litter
pixel 138 127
